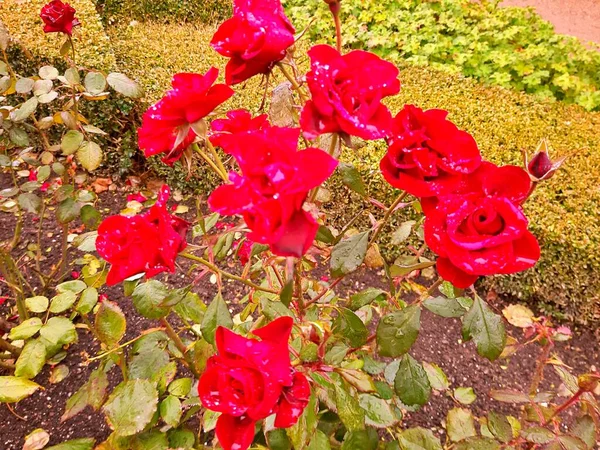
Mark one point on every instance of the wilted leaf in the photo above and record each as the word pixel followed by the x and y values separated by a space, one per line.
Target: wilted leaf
pixel 24 85
pixel 418 439
pixel 537 435
pixel 509 396
pixel 500 427
pixel 71 141
pixel 437 377
pixel 48 73
pixel 464 395
pixel 75 444
pixel 90 156
pixel 518 315
pixel 95 82
pixel 30 202
pixel 585 429
pixel 67 211
pixel 92 393
pixel 36 440
pixel 19 137
pixel 59 373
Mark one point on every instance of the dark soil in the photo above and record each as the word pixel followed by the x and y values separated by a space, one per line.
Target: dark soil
pixel 439 342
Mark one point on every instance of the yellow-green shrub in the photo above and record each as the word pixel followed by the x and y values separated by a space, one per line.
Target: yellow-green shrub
pixel 564 212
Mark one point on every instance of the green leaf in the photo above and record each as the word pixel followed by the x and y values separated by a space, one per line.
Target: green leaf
pixel 478 443
pixel 59 331
pixel 43 173
pixel 336 353
pixel 349 325
pixel 348 406
pixel 181 439
pixel 444 307
pixel 180 387
pixel 87 301
pixel 19 137
pixel 14 389
pixel 319 441
pixel 148 297
pixel 59 373
pixel 277 440
pixel 460 424
pixel 90 217
pixel 366 297
pixel 48 73
pixel 537 435
pixel 379 413
pixel 361 439
pixel 398 331
pixel 325 235
pixel 25 110
pixel 303 431
pixel 62 302
pixel 500 427
pixel 26 329
pixel 90 155
pixel 124 85
pixel 411 382
pixel 75 444
pixel 585 429
pixel 92 393
pixel 352 179
pixel 286 293
pixel 67 211
pixel 486 328
pixel 147 364
pixel 95 82
pixel 216 315
pixel 131 406
pixel 71 141
pixel 359 379
pixel 437 377
pixel 418 439
pixel 572 443
pixel 464 395
pixel 110 323
pixel 403 232
pixel 349 254
pixel 30 203
pixel 191 308
pixel 170 410
pixel 31 360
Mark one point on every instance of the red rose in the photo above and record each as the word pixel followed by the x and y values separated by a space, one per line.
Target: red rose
pixel 428 155
pixel 255 38
pixel 346 93
pixel 272 188
pixel 248 380
pixel 147 243
pixel 483 232
pixel 166 125
pixel 226 131
pixel 59 17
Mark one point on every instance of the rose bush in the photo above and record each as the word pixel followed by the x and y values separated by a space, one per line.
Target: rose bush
pixel 290 360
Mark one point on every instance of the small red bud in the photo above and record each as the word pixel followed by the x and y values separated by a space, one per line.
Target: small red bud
pixel 541 167
pixel 334 5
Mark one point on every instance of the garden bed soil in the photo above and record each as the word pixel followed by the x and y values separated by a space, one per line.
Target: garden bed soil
pixel 439 342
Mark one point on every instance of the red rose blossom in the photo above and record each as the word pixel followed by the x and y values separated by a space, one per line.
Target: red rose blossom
pixel 254 39
pixel 226 131
pixel 248 380
pixel 59 17
pixel 147 243
pixel 428 155
pixel 272 188
pixel 484 231
pixel 166 124
pixel 346 93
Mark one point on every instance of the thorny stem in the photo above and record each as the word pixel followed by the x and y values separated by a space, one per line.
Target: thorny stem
pixel 227 275
pixel 539 368
pixel 324 291
pixel 570 402
pixel 294 82
pixel 180 345
pixel 387 216
pixel 210 162
pixel 332 147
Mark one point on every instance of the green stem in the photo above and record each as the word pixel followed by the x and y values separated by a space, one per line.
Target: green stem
pixel 431 290
pixel 227 275
pixel 180 345
pixel 19 225
pixel 210 162
pixel 387 216
pixel 14 279
pixel 215 155
pixel 74 91
pixel 294 82
pixel 332 147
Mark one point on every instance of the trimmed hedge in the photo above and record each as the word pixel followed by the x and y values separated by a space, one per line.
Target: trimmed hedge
pixel 22 17
pixel 564 211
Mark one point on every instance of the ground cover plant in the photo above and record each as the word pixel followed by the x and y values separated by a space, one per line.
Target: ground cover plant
pixel 296 362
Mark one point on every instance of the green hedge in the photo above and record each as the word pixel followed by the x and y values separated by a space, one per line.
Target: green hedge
pixel 170 11
pixel 506 46
pixel 564 211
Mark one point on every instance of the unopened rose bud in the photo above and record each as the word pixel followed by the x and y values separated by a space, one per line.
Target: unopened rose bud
pixel 334 5
pixel 588 382
pixel 541 167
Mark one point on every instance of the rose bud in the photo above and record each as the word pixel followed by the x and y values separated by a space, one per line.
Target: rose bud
pixel 588 382
pixel 541 167
pixel 334 5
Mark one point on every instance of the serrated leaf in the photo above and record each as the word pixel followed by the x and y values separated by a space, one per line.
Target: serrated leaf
pixel 585 429
pixel 62 302
pixel 379 413
pixel 14 389
pixel 403 232
pixel 509 396
pixel 148 297
pixel 59 331
pixel 19 137
pixel 349 325
pixel 87 301
pixel 92 393
pixel 170 410
pixel 131 407
pixel 302 432
pixel 148 363
pixel 437 377
pixel 277 439
pixel 31 360
pixel 460 424
pixel 485 328
pixel 75 444
pixel 349 254
pixel 397 332
pixel 30 202
pixel 74 286
pixel 500 427
pixel 217 314
pixel 365 297
pixel 444 307
pixel 89 156
pixel 464 395
pixel 124 85
pixel 71 141
pixel 26 329
pixel 67 211
pixel 348 406
pixel 191 308
pixel 418 439
pixel 325 235
pixel 25 110
pixel 411 382
pixel 572 443
pixel 110 323
pixel 180 387
pixel 537 435
pixel 352 179
pixel 478 443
